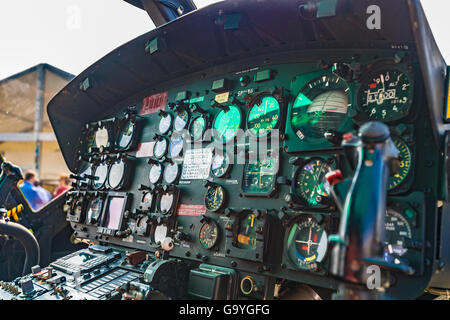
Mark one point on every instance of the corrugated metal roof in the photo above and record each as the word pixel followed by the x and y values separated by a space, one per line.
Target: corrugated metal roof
pixel 18 98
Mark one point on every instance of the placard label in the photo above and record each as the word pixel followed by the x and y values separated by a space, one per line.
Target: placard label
pixel 154 103
pixel 197 163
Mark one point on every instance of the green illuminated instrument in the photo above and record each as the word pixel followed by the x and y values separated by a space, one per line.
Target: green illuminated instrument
pixel 405 163
pixel 264 116
pixel 321 106
pixel 227 123
pixel 260 176
pixel 246 237
pixel 310 183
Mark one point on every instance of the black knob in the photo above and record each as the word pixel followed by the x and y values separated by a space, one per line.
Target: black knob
pixel 374 132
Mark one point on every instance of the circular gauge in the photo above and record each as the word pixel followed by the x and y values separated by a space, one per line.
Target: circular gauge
pixel 165 123
pixel 159 234
pixel 86 172
pixel 166 202
pixel 246 238
pixel 67 207
pixel 142 226
pixel 397 230
pixel 94 211
pixel 214 198
pixel 310 182
pixel 100 173
pixel 78 206
pixel 405 163
pixel 307 243
pixel 155 173
pixel 197 128
pixel 220 165
pixel 160 148
pixel 209 234
pixel 126 135
pixel 227 123
pixel 386 94
pixel 101 137
pixel 116 174
pixel 181 120
pixel 176 146
pixel 264 116
pixel 260 176
pixel 147 199
pixel 321 106
pixel 171 173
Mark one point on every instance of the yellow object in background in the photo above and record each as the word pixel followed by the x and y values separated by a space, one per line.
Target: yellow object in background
pixel 14 212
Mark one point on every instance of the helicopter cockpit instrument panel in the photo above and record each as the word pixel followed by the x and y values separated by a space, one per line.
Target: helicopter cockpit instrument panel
pixel 219 160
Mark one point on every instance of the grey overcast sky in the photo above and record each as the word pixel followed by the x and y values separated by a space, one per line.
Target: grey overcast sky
pixel 73 34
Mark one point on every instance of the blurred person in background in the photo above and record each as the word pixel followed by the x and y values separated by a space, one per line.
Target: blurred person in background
pixel 64 184
pixel 43 193
pixel 30 192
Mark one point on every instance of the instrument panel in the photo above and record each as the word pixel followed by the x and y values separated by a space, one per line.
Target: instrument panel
pixel 230 171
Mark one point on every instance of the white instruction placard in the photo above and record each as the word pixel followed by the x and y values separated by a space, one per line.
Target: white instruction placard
pixel 197 163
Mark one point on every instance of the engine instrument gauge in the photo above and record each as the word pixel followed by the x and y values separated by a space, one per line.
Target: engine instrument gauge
pixel 160 148
pixel 155 173
pixel 197 128
pixel 227 124
pixel 246 238
pixel 142 226
pixel 116 174
pixel 220 165
pixel 171 173
pixel 260 176
pixel 209 234
pixel 405 163
pixel 94 211
pixel 159 233
pixel 101 137
pixel 126 135
pixel 181 120
pixel 165 123
pixel 321 106
pixel 397 229
pixel 100 174
pixel 147 201
pixel 264 116
pixel 176 146
pixel 306 243
pixel 310 183
pixel 166 202
pixel 214 198
pixel 386 94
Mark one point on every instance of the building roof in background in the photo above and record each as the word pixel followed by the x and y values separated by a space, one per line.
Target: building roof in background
pixel 18 98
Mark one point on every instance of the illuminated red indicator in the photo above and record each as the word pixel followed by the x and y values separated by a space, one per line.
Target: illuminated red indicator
pixel 373 86
pixel 315 237
pixel 304 247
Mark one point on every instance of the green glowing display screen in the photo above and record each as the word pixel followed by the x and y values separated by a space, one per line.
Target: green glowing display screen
pixel 227 123
pixel 263 117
